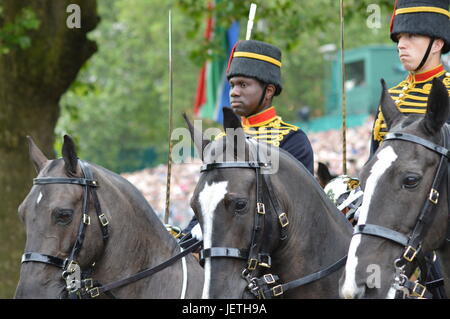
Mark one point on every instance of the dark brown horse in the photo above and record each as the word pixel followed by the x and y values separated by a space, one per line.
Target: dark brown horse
pixel 405 211
pixel 262 221
pixel 87 225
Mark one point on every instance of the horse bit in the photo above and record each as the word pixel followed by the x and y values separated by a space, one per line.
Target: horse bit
pixel 78 285
pixel 413 242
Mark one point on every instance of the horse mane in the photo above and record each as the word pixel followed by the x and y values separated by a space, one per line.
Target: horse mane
pixel 314 183
pixel 285 155
pixel 127 187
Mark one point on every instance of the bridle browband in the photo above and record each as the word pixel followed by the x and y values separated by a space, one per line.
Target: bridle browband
pixel 413 241
pixel 79 284
pixel 258 254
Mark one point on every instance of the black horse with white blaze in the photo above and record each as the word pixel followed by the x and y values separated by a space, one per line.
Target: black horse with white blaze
pixel 405 212
pixel 267 232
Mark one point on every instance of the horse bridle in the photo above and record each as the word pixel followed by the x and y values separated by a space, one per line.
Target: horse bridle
pixel 258 254
pixel 71 271
pixel 413 241
pixel 79 284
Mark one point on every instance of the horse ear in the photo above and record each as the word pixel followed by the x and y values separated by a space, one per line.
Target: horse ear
pixel 234 133
pixel 390 111
pixel 323 174
pixel 38 158
pixel 230 119
pixel 69 155
pixel 197 136
pixel 437 107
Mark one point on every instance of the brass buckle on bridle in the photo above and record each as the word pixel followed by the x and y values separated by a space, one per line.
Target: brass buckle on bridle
pixel 277 290
pixel 407 255
pixel 284 221
pixel 252 263
pixel 94 292
pixel 265 261
pixel 418 290
pixel 86 219
pixel 269 279
pixel 434 196
pixel 260 208
pixel 103 220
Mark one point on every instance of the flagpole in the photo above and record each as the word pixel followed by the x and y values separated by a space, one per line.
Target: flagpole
pixel 251 17
pixel 169 157
pixel 344 111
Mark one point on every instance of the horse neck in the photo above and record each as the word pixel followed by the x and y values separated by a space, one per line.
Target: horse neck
pixel 137 239
pixel 317 231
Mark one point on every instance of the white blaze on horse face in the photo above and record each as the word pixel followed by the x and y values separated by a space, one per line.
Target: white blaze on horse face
pixel 209 198
pixel 39 198
pixel 385 159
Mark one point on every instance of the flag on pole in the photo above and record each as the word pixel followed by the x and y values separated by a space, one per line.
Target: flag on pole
pixel 213 88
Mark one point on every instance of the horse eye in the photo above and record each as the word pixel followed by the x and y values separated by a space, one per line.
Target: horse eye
pixel 411 181
pixel 62 216
pixel 240 205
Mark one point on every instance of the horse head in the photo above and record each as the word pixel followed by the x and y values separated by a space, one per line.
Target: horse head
pixel 255 204
pixel 405 196
pixel 72 248
pixel 225 204
pixel 52 219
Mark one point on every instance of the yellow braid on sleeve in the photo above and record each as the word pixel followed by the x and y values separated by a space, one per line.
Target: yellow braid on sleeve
pixel 379 123
pixel 447 84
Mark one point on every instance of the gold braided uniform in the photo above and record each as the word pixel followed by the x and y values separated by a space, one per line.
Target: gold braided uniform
pixel 268 127
pixel 272 130
pixel 410 96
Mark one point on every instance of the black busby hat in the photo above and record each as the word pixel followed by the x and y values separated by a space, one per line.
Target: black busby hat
pixel 424 17
pixel 256 59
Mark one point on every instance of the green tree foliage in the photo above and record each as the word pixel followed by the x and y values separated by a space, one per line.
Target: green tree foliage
pixel 14 34
pixel 40 57
pixel 299 28
pixel 118 108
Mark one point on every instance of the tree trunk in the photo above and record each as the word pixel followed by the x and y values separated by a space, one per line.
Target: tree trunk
pixel 32 82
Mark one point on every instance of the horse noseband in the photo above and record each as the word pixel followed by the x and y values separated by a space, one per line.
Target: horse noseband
pixel 71 272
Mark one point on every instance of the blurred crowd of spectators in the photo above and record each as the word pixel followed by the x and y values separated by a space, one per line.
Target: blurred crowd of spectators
pixel 327 148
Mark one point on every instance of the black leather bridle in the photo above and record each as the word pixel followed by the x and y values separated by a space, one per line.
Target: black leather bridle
pixel 79 284
pixel 254 255
pixel 413 241
pixel 70 268
pixel 258 254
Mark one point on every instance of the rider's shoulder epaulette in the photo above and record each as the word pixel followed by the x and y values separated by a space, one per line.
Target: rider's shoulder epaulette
pixel 272 132
pixel 446 81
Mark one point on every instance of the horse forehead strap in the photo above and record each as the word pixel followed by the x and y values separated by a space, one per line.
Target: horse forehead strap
pixel 418 140
pixel 255 163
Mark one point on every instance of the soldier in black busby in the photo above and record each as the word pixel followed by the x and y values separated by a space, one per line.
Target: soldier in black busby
pixel 254 74
pixel 421 29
